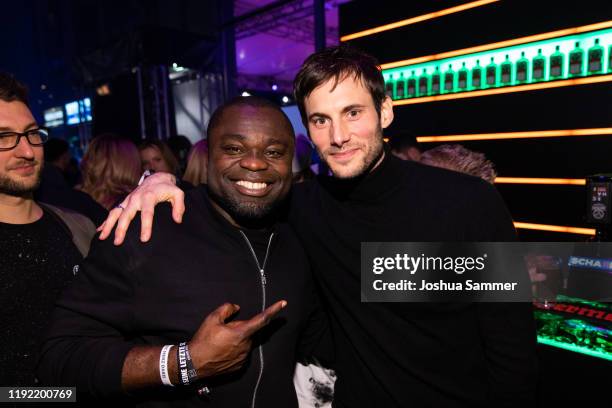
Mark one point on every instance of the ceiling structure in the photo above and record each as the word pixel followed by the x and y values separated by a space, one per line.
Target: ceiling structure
pixel 272 45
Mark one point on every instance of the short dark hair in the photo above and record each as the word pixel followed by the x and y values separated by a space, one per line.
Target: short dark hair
pixel 252 101
pixel 54 148
pixel 11 89
pixel 401 141
pixel 457 158
pixel 338 63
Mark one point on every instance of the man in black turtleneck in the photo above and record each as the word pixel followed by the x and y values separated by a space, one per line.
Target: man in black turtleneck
pixel 394 354
pixel 108 331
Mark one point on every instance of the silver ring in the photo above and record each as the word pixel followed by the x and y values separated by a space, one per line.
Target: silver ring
pixel 119 206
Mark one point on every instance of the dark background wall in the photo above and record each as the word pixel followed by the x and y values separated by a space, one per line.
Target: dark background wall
pixel 575 107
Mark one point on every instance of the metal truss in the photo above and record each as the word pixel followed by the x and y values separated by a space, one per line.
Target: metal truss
pixel 290 20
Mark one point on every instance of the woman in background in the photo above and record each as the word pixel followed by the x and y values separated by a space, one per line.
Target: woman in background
pixel 195 174
pixel 111 169
pixel 156 156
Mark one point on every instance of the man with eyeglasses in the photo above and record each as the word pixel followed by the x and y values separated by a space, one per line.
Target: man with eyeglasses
pixel 42 246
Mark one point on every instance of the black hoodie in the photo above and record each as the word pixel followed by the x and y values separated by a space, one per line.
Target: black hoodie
pixel 160 292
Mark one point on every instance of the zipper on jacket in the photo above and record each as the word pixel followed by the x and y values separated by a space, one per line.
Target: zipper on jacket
pixel 262 275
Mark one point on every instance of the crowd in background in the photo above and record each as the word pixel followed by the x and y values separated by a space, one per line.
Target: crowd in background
pixel 112 167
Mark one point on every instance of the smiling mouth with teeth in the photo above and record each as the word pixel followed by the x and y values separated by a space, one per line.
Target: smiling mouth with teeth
pixel 251 186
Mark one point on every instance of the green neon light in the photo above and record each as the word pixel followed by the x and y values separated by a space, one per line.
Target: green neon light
pixel 579 301
pixel 574 348
pixel 573 334
pixel 565 57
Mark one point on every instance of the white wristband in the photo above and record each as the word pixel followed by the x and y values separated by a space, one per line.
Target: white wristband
pixel 146 174
pixel 163 365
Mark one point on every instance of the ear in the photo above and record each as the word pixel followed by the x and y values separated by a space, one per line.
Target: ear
pixel 386 112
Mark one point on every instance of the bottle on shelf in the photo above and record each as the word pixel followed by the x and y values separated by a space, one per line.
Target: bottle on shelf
pixel 491 74
pixel 449 80
pixel 389 86
pixel 411 85
pixel 400 87
pixel 505 77
pixel 477 76
pixel 424 83
pixel 435 81
pixel 556 64
pixel 595 55
pixel 522 68
pixel 576 59
pixel 462 78
pixel 539 65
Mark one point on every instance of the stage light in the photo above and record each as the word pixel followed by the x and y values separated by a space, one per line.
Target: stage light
pixel 285 99
pixel 103 90
pixel 274 87
pixel 245 93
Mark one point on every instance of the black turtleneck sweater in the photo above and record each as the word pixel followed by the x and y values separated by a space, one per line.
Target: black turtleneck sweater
pixel 414 354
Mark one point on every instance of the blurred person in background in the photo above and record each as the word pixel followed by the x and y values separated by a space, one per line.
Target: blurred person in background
pixel 180 146
pixel 57 154
pixel 405 146
pixel 111 169
pixel 457 158
pixel 302 159
pixel 195 174
pixel 156 157
pixel 55 188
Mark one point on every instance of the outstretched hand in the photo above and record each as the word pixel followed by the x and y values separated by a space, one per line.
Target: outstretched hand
pixel 159 187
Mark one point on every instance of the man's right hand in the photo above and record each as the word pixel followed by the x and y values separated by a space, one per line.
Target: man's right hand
pixel 155 189
pixel 220 347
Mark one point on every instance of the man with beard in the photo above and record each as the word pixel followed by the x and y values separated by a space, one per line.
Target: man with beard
pixel 41 245
pixel 144 319
pixel 390 354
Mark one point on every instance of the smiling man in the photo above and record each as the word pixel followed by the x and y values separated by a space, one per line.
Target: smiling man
pixel 39 252
pixel 391 354
pixel 144 319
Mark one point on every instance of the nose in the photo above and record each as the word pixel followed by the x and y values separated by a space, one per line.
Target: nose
pixel 24 149
pixel 339 134
pixel 254 161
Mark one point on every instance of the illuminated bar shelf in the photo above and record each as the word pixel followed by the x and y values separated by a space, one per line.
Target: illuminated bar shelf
pixel 587 54
pixel 576 333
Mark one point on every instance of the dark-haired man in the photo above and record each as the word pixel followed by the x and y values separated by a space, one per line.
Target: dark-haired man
pixel 140 314
pixel 393 354
pixel 41 245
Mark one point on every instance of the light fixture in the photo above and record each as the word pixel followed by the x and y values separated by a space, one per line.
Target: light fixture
pixel 274 87
pixel 507 89
pixel 537 180
pixel 103 90
pixel 245 93
pixel 285 99
pixel 536 134
pixel 417 19
pixel 554 228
